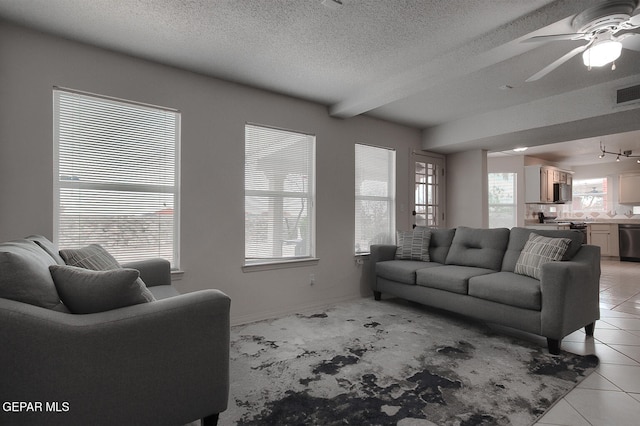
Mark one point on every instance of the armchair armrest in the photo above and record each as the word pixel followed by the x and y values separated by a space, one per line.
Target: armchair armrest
pixel 570 293
pixel 165 362
pixel 153 272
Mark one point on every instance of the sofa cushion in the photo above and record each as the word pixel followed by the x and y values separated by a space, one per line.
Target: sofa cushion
pixel 403 271
pixel 518 237
pixel 439 244
pixel 86 291
pixel 483 248
pixel 451 278
pixel 507 288
pixel 47 246
pixel 413 245
pixel 24 275
pixel 537 251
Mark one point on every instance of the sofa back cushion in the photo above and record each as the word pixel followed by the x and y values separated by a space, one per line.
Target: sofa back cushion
pixel 482 248
pixel 518 237
pixel 25 277
pixel 439 244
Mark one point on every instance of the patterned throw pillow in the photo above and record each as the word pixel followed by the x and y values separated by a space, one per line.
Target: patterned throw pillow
pixel 93 257
pixel 414 245
pixel 537 251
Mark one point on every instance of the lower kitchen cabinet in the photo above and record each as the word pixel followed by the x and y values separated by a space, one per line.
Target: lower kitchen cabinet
pixel 604 235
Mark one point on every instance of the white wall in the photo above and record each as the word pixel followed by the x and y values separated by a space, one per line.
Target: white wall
pixel 212 209
pixel 467 186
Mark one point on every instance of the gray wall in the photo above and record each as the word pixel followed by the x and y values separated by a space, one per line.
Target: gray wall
pixel 212 209
pixel 467 186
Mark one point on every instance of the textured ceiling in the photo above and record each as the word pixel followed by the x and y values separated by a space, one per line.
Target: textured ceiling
pixel 425 63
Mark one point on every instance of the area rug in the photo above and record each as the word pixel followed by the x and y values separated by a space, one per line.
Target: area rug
pixel 391 362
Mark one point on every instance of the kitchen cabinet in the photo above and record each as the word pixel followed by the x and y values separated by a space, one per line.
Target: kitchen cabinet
pixel 629 187
pixel 539 180
pixel 604 235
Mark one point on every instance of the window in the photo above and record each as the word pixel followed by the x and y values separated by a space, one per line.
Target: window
pixel 278 195
pixel 502 200
pixel 375 197
pixel 116 176
pixel 589 195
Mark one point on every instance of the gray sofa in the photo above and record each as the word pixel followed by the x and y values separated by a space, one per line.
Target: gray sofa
pixel 160 363
pixel 471 272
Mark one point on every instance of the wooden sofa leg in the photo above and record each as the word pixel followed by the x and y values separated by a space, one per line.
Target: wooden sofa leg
pixel 377 295
pixel 211 420
pixel 554 346
pixel 590 328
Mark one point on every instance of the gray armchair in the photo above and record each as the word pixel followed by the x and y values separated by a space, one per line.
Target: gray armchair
pixel 160 363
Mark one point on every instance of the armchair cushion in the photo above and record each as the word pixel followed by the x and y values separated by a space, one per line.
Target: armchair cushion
pixel 84 291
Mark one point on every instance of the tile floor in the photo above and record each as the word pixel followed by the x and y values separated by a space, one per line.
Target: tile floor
pixel 611 395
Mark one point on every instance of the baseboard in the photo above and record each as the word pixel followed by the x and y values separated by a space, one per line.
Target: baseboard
pixel 298 309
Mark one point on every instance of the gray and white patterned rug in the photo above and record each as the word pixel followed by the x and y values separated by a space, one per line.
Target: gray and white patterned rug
pixel 391 362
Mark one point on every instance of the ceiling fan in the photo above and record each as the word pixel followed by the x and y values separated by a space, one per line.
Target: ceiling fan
pixel 606 28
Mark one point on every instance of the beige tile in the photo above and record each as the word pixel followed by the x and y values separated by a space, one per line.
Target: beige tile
pixel 596 381
pixel 632 352
pixel 617 337
pixel 563 414
pixel 608 313
pixel 626 377
pixel 605 408
pixel 628 307
pixel 623 323
pixel 605 354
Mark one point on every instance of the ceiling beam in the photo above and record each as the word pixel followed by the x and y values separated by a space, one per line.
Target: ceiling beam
pixel 484 51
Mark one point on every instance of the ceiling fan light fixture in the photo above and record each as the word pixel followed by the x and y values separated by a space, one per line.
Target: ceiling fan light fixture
pixel 602 53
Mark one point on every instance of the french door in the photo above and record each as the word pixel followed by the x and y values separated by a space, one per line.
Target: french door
pixel 428 198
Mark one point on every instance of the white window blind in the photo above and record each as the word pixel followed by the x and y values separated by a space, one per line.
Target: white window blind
pixel 116 176
pixel 375 197
pixel 279 195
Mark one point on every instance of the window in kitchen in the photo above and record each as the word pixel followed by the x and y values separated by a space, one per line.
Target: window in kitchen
pixel 279 195
pixel 502 200
pixel 375 196
pixel 590 195
pixel 116 168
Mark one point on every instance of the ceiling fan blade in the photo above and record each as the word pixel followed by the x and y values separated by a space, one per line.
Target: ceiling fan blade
pixel 630 41
pixel 552 66
pixel 553 37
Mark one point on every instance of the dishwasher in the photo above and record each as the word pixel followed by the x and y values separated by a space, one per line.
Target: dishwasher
pixel 629 235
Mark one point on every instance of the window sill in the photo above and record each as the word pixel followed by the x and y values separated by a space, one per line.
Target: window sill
pixel 281 264
pixel 176 274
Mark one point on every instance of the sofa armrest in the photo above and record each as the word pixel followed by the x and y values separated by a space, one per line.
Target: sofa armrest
pixel 118 367
pixel 379 253
pixel 570 293
pixel 152 271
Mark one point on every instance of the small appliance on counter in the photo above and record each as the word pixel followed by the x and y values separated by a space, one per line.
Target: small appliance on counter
pixel 545 219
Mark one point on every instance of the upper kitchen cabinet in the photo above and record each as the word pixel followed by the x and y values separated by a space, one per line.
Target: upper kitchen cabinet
pixel 629 185
pixel 539 181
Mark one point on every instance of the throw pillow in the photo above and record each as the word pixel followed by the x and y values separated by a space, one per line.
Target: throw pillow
pixel 537 251
pixel 414 245
pixel 85 291
pixel 93 256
